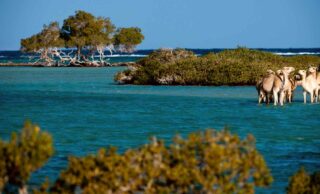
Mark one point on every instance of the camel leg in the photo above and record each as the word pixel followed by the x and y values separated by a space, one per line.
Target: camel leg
pixel 275 98
pixel 284 100
pixel 311 97
pixel 304 97
pixel 270 98
pixel 267 101
pixel 281 100
pixel 289 97
pixel 259 99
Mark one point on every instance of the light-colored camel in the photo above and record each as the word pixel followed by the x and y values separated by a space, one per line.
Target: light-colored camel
pixel 318 82
pixel 312 71
pixel 289 88
pixel 281 84
pixel 264 87
pixel 293 85
pixel 309 84
pixel 274 85
pixel 280 74
pixel 288 84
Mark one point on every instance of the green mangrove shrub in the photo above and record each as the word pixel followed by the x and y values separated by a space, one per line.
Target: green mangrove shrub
pixel 24 153
pixel 303 183
pixel 240 66
pixel 205 162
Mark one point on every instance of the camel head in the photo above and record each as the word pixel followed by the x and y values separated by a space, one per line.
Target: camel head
pixel 297 77
pixel 269 72
pixel 312 69
pixel 302 73
pixel 279 72
pixel 288 70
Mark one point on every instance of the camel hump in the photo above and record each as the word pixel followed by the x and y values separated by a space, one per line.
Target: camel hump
pixel 267 83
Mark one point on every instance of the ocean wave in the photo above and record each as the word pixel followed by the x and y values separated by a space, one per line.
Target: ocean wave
pixel 1 56
pixel 298 53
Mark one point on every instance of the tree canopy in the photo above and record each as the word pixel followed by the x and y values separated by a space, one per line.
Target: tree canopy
pixel 48 37
pixel 82 31
pixel 85 30
pixel 126 38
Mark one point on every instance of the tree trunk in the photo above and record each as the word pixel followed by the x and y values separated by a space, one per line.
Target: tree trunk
pixel 46 57
pixel 79 52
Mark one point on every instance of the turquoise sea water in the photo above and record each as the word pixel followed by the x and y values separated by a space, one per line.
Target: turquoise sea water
pixel 84 110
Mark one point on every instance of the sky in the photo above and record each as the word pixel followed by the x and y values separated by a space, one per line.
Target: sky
pixel 178 23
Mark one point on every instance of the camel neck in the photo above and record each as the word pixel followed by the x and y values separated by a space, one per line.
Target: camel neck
pixel 314 74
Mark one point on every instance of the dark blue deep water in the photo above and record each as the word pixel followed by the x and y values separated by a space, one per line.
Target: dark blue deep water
pixel 85 110
pixel 20 57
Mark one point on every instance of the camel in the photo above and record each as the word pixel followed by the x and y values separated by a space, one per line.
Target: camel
pixel 280 74
pixel 309 84
pixel 264 87
pixel 274 84
pixel 293 85
pixel 288 83
pixel 281 85
pixel 289 88
pixel 312 71
pixel 318 82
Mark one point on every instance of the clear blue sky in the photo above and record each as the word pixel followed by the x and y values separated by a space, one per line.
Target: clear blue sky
pixel 178 23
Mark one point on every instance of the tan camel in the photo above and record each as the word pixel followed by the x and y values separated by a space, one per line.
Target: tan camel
pixel 318 82
pixel 312 71
pixel 293 85
pixel 281 85
pixel 309 84
pixel 264 87
pixel 288 86
pixel 280 74
pixel 274 85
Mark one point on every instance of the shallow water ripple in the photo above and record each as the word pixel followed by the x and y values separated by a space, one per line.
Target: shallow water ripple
pixel 84 110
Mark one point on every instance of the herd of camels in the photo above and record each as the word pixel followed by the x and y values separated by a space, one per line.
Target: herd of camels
pixel 279 86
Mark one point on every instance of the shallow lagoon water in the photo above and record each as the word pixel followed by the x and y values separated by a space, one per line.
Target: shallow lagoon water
pixel 84 110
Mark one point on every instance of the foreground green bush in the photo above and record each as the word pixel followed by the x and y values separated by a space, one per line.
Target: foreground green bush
pixel 23 154
pixel 241 66
pixel 206 162
pixel 303 183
